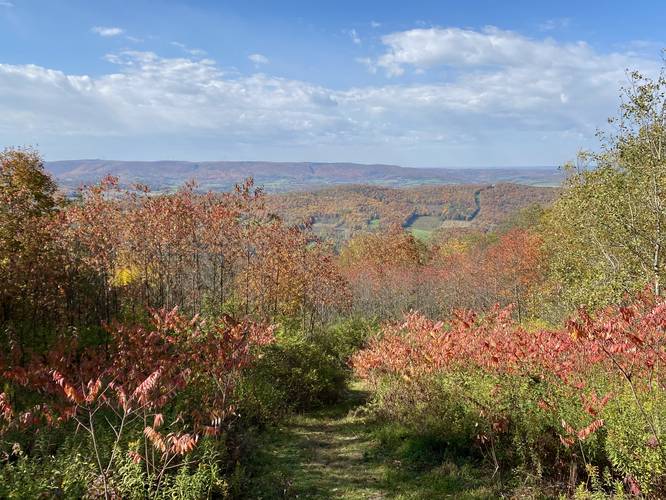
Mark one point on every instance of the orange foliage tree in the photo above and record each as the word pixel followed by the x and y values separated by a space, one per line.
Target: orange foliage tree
pixel 386 272
pixel 480 274
pixel 77 278
pixel 391 272
pixel 114 252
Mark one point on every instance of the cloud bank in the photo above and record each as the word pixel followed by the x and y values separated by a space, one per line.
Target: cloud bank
pixel 492 97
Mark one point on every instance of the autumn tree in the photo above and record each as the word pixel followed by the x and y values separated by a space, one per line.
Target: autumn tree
pixel 386 272
pixel 512 267
pixel 24 183
pixel 26 192
pixel 478 270
pixel 608 229
pixel 28 203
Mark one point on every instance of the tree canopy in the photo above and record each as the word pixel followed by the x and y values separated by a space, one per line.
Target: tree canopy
pixel 607 231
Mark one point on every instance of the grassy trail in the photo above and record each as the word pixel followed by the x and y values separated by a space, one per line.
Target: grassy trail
pixel 335 453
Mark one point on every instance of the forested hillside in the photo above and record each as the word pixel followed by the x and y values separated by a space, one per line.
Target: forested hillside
pixel 166 176
pixel 345 211
pixel 213 345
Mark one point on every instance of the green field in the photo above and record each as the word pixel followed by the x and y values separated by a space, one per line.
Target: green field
pixel 421 234
pixel 423 226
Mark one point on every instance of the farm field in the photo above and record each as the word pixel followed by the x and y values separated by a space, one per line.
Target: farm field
pixel 423 227
pixel 340 213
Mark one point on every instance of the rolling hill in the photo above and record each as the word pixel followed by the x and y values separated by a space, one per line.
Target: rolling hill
pixel 281 177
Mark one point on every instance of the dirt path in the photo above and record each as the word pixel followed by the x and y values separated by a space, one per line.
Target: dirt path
pixel 334 453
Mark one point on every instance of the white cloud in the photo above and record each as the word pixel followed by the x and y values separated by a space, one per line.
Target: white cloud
pixel 354 36
pixel 375 24
pixel 154 95
pixel 427 48
pixel 6 3
pixel 192 52
pixel 258 59
pixel 106 31
pixel 510 99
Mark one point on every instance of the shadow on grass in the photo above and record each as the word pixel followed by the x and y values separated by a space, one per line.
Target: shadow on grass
pixel 335 453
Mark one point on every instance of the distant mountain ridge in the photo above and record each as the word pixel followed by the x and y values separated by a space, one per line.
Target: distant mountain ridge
pixel 287 176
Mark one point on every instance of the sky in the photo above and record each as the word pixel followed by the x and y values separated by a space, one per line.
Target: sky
pixel 418 83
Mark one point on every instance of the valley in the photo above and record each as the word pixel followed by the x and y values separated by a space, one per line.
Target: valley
pixel 341 212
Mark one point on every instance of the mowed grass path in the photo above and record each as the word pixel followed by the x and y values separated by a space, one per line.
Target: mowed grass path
pixel 336 453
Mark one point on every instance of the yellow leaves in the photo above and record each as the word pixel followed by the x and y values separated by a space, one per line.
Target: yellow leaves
pixel 454 247
pixel 576 331
pixel 575 334
pixel 379 251
pixel 535 325
pixel 124 276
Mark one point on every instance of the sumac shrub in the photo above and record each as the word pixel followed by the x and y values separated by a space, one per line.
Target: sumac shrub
pixel 152 393
pixel 553 402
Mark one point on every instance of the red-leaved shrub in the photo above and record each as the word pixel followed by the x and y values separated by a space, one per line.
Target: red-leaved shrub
pixel 177 371
pixel 575 381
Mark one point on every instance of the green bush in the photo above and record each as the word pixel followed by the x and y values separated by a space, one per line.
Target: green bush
pixel 65 474
pixel 630 442
pixel 300 371
pixel 344 338
pixel 428 407
pixel 71 473
pixel 293 373
pixel 476 414
pixel 199 476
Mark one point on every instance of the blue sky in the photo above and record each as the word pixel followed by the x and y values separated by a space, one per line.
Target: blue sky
pixel 446 83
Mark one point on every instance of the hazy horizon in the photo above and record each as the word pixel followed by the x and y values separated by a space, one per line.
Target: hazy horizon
pixel 287 162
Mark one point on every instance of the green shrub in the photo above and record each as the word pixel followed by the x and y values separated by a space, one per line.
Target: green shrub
pixel 300 371
pixel 630 442
pixel 477 414
pixel 70 472
pixel 199 476
pixel 344 338
pixel 428 407
pixel 66 474
pixel 293 373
